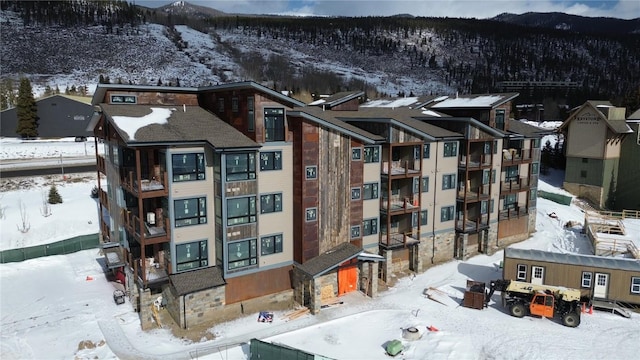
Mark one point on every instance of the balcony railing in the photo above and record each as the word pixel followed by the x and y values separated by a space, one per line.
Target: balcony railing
pixel 100 163
pixel 400 167
pixel 149 271
pixel 148 188
pixel 515 185
pixel 474 193
pixel 513 213
pixel 396 240
pixel 475 161
pixel 518 156
pixel 399 204
pixel 104 198
pixel 473 225
pixel 152 234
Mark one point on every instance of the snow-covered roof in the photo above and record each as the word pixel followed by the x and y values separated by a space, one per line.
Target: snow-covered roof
pixel 391 103
pixel 469 102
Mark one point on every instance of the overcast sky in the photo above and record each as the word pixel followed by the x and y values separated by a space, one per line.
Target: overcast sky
pixel 624 9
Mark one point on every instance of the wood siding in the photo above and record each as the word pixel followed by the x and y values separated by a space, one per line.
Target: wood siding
pixel 257 284
pixel 507 228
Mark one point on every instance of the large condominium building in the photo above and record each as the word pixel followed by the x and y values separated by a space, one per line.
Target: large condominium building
pixel 225 198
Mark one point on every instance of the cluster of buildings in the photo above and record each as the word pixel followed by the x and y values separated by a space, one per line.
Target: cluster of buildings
pixel 231 198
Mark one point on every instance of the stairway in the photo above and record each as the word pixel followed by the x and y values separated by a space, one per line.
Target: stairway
pixel 612 306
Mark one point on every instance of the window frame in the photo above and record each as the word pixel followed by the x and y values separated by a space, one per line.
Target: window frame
pixel 424 217
pixel 202 258
pixel 425 184
pixel 277 130
pixel 251 115
pixel 635 285
pixel 451 181
pixel 370 226
pixel 450 149
pixel 270 160
pixel 500 119
pixel 251 215
pixel 275 241
pixel 356 232
pixel 221 105
pixel 521 272
pixel 426 151
pixel 356 193
pixel 276 201
pixel 374 189
pixel 371 154
pixel 249 171
pixel 200 218
pixel 199 170
pixel 449 211
pixel 311 211
pixel 314 175
pixel 356 154
pixel 586 281
pixel 252 256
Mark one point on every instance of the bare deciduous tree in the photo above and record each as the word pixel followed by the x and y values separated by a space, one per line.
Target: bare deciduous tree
pixel 45 210
pixel 25 225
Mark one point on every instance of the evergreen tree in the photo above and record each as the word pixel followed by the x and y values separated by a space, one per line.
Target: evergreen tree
pixel 610 203
pixel 54 195
pixel 26 111
pixel 48 91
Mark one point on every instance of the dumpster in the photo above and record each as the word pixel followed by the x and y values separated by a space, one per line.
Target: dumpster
pixel 118 297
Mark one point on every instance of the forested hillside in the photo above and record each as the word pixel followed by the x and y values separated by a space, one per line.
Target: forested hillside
pixel 393 56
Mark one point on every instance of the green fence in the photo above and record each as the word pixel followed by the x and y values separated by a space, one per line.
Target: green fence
pixel 268 351
pixel 62 247
pixel 560 199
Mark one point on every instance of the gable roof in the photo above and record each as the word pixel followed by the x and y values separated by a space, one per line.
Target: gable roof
pixel 528 131
pixel 197 280
pixel 466 120
pixel 617 126
pixel 474 101
pixel 173 124
pixel 252 85
pixel 574 259
pixel 328 118
pixel 332 259
pixel 59 116
pixel 337 98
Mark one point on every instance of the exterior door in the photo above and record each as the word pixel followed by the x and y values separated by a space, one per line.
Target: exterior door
pixel 347 279
pixel 600 287
pixel 537 275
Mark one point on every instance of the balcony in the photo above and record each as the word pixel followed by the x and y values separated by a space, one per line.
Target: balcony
pixel 515 185
pixel 153 186
pixel 473 225
pixel 149 271
pixel 398 240
pixel 519 156
pixel 155 232
pixel 407 168
pixel 104 198
pixel 100 164
pixel 477 193
pixel 513 213
pixel 475 161
pixel 400 204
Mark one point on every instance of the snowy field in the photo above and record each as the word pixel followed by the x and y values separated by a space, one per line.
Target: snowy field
pixel 61 307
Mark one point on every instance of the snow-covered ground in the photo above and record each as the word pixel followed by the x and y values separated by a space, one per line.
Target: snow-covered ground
pixel 61 307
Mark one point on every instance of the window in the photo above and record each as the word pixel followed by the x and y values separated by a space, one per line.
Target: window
pixel 273 124
pixel 251 118
pixel 311 172
pixel 587 277
pixel 270 203
pixel 356 193
pixel 193 255
pixel 241 166
pixel 190 211
pixel 271 160
pixel 493 176
pixel 486 177
pixel 450 149
pixel 424 217
pixel 242 254
pixel 510 201
pixel 124 99
pixel 356 154
pixel 487 148
pixel 241 210
pixel 536 143
pixel 370 226
pixel 583 173
pixel 534 168
pixel 426 151
pixel 585 160
pixel 271 244
pixel 234 104
pixel 425 184
pixel 355 231
pixel 448 181
pixel 370 191
pixel 371 154
pixel 511 173
pixel 416 185
pixel 414 219
pixel 500 119
pixel 491 202
pixel 534 194
pixel 447 213
pixel 187 167
pixel 221 105
pixel 522 272
pixel 312 214
pixel 495 146
pixel 484 207
pixel 635 285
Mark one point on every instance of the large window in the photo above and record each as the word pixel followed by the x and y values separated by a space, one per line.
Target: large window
pixel 242 254
pixel 635 285
pixel 448 181
pixel 271 160
pixel 241 210
pixel 187 167
pixel 370 191
pixel 273 124
pixel 190 211
pixel 424 217
pixel 241 166
pixel 512 173
pixel 270 203
pixel 587 277
pixel 447 213
pixel 371 154
pixel 522 272
pixel 370 226
pixel 450 149
pixel 271 244
pixel 500 119
pixel 510 201
pixel 190 256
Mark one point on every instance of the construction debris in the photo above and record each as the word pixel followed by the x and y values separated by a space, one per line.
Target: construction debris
pixel 296 314
pixel 432 294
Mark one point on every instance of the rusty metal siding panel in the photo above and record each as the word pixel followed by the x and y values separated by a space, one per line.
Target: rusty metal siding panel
pixel 309 197
pixel 257 284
